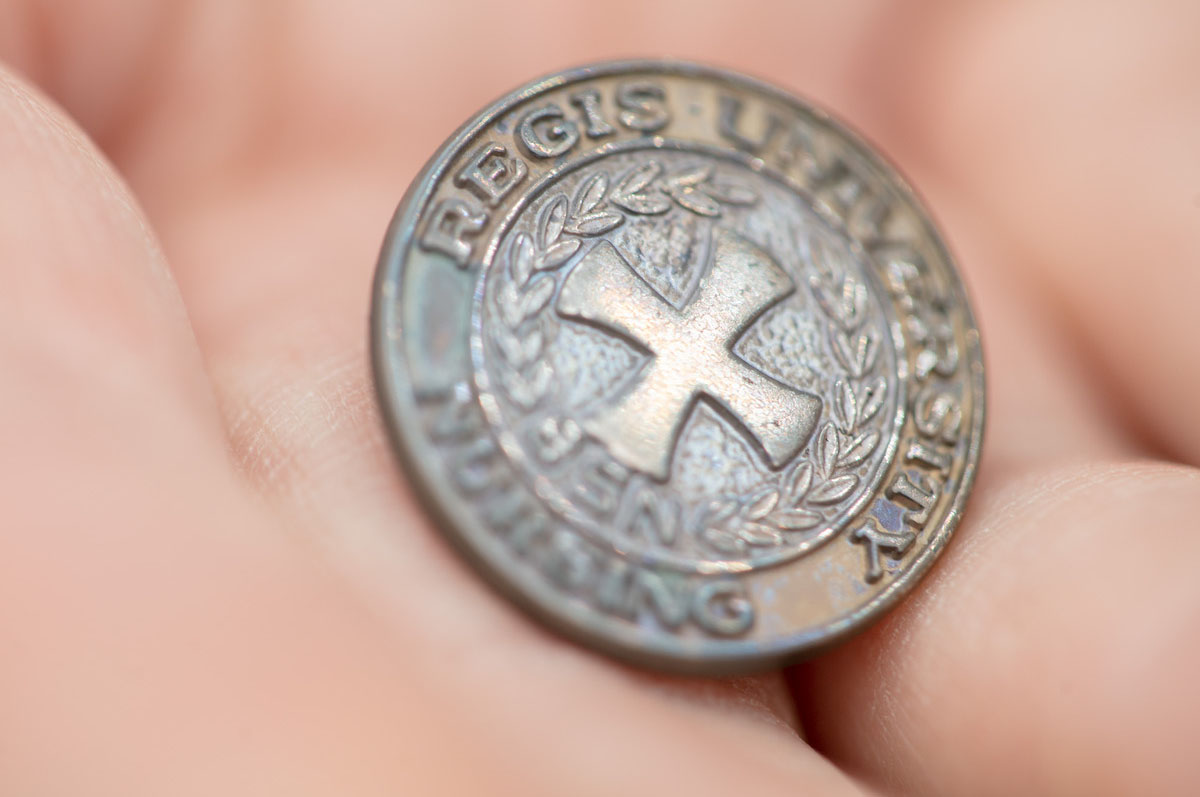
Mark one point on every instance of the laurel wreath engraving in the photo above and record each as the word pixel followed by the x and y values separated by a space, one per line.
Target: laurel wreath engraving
pixel 644 190
pixel 533 265
pixel 843 442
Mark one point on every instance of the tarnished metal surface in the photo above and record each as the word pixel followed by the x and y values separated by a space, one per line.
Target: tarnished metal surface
pixel 679 364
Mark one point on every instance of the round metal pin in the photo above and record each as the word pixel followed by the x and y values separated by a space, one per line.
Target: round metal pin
pixel 680 365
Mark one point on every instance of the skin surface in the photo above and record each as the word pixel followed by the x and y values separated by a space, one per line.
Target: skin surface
pixel 214 581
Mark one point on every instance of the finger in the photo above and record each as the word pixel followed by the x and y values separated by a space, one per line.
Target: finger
pixel 126 546
pixel 97 59
pixel 1043 407
pixel 1052 651
pixel 952 687
pixel 1039 638
pixel 1074 126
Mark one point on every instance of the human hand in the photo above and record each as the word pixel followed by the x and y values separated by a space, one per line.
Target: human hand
pixel 214 582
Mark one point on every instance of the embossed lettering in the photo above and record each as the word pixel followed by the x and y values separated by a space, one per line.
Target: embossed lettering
pixel 798 155
pixel 922 494
pixel 527 530
pixel 876 540
pixel 627 591
pixel 588 101
pixel 722 608
pixel 545 133
pixel 600 484
pixel 515 512
pixel 473 466
pixel 568 563
pixel 719 607
pixel 931 457
pixel 938 415
pixel 450 222
pixel 938 351
pixel 454 421
pixel 728 125
pixel 644 104
pixel 491 173
pixel 456 416
pixel 904 270
pixel 643 514
pixel 849 196
pixel 926 321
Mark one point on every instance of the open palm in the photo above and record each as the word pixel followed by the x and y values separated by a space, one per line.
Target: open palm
pixel 213 580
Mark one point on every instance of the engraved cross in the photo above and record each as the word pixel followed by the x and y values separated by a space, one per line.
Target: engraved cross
pixel 692 353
